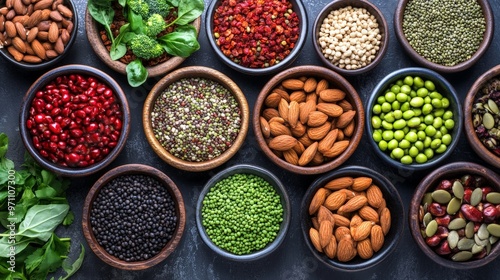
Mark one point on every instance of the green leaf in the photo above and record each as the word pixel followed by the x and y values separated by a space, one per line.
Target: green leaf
pixel 102 12
pixel 27 200
pixel 68 220
pixel 5 166
pixel 189 10
pixel 71 269
pixel 34 260
pixel 45 191
pixel 5 246
pixel 4 144
pixel 174 3
pixel 182 42
pixel 119 47
pixel 136 23
pixel 41 220
pixel 136 73
pixel 122 2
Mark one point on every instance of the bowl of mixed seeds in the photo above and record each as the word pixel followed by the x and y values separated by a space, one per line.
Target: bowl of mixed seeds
pixel 445 36
pixel 196 118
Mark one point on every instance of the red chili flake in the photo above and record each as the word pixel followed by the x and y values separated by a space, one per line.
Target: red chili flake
pixel 256 33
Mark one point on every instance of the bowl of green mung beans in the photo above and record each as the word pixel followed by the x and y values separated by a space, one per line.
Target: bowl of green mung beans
pixel 243 213
pixel 444 35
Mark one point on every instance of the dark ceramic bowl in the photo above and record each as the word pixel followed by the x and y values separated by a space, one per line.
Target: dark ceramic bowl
pixel 382 25
pixel 488 37
pixel 393 203
pixel 470 131
pixel 280 189
pixel 44 64
pixel 428 184
pixel 443 87
pixel 298 8
pixel 137 169
pixel 47 78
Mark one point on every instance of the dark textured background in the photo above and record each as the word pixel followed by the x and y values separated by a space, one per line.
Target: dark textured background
pixel 193 259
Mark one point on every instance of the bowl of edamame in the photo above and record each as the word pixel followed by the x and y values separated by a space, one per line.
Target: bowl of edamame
pixel 243 213
pixel 414 118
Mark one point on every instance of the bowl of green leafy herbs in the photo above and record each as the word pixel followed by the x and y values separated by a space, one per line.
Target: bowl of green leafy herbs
pixel 143 38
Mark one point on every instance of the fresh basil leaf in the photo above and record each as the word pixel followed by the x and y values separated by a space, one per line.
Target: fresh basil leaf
pixel 19 246
pixel 71 269
pixel 136 73
pixel 4 144
pixel 68 220
pixel 182 42
pixel 189 10
pixel 41 220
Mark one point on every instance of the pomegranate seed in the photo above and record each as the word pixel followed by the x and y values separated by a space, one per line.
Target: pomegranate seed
pixel 55 128
pixel 39 118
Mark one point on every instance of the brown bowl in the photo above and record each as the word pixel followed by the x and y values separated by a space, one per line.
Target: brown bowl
pixel 335 81
pixel 383 28
pixel 195 72
pixel 428 184
pixel 488 37
pixel 470 131
pixel 137 169
pixel 92 29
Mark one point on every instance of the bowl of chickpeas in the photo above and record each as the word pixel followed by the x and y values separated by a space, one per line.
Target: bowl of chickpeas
pixel 414 118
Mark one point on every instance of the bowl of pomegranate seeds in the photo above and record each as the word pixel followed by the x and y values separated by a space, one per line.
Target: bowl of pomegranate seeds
pixel 74 120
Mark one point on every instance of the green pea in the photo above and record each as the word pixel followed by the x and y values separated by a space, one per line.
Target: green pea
pixel 413 93
pixel 413 152
pixel 395 89
pixel 445 102
pixel 422 92
pixel 441 149
pixel 435 143
pixel 411 136
pixel 399 82
pixel 446 139
pixel 429 85
pixel 427 100
pixel 406 129
pixel 405 89
pixel 417 111
pixel 427 109
pixel 391 145
pixel 407 160
pixel 421 127
pixel 421 158
pixel 447 115
pixel 399 134
pixel 377 136
pixel 382 145
pixel 438 135
pixel 402 97
pixel 413 122
pixel 408 80
pixel 396 105
pixel 404 144
pixel 430 130
pixel 419 145
pixel 377 109
pixel 397 114
pixel 421 135
pixel 380 99
pixel 418 82
pixel 429 153
pixel 449 123
pixel 438 112
pixel 376 122
pixel 389 117
pixel 408 114
pixel 387 125
pixel 428 119
pixel 399 124
pixel 417 102
pixel 405 106
pixel 443 130
pixel 397 153
pixel 436 94
pixel 437 103
pixel 388 135
pixel 438 122
pixel 386 107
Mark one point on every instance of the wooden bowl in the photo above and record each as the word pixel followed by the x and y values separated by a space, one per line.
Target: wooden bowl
pixel 191 72
pixel 478 147
pixel 172 189
pixel 393 202
pixel 335 81
pixel 383 27
pixel 93 28
pixel 45 64
pixel 285 201
pixel 298 8
pixel 429 183
pixel 488 37
pixel 45 79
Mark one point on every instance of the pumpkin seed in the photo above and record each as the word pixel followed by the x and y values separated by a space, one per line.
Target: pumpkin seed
pixel 453 238
pixel 441 196
pixel 493 106
pixel 488 248
pixel 453 206
pixel 427 219
pixel 476 248
pixel 462 256
pixel 465 244
pixel 427 200
pixel 488 121
pixel 458 189
pixel 476 196
pixel 469 230
pixel 431 228
pixel 494 229
pixel 482 232
pixel 479 241
pixel 493 239
pixel 457 223
pixel 493 197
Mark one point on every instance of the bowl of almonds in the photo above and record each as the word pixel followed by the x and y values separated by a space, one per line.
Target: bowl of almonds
pixel 308 119
pixel 454 215
pixel 352 218
pixel 37 34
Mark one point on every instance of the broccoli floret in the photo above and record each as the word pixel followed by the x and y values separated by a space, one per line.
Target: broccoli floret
pixel 139 7
pixel 154 25
pixel 145 47
pixel 158 7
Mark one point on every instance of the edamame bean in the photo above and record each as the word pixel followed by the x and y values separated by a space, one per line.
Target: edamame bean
pixel 408 80
pixel 413 152
pixel 413 122
pixel 447 115
pixel 388 135
pixel 417 101
pixel 399 135
pixel 391 145
pixel 427 109
pixel 430 130
pixel 399 124
pixel 446 139
pixel 422 92
pixel 429 85
pixel 408 114
pixel 376 122
pixel 445 102
pixel 421 135
pixel 377 109
pixel 404 144
pixel 418 82
pixel 391 95
pixel 381 99
pixel 377 136
pixel 436 103
pixel 435 143
pixel 428 119
pixel 406 160
pixel 405 106
pixel 449 124
pixel 395 105
pixel 405 89
pixel 429 153
pixel 438 122
pixel 411 136
pixel 386 107
pixel 397 114
pixel 389 117
pixel 421 158
pixel 398 153
pixel 382 145
pixel 387 125
pixel 419 145
pixel 441 149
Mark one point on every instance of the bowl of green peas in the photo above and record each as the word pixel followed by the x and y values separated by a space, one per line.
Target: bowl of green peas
pixel 243 213
pixel 414 118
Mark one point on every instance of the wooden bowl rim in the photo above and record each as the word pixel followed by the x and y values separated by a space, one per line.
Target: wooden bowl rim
pixel 130 169
pixel 187 72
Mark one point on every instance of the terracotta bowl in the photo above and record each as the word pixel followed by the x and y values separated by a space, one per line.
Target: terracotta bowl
pixel 285 201
pixel 393 203
pixel 92 29
pixel 192 72
pixel 449 171
pixel 470 131
pixel 172 189
pixel 47 78
pixel 48 62
pixel 488 37
pixel 382 25
pixel 298 8
pixel 335 81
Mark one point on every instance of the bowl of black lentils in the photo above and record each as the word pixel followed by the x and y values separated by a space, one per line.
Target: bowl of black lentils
pixel 196 118
pixel 243 213
pixel 445 36
pixel 133 217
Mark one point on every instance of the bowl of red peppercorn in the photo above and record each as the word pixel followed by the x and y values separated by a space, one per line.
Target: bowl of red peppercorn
pixel 350 37
pixel 74 120
pixel 196 118
pixel 308 119
pixel 454 215
pixel 482 116
pixel 257 38
pixel 146 227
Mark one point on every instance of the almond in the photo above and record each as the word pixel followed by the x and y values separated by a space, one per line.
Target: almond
pixel 315 223
pixel 345 105
pixel 341 221
pixel 325 232
pixel 316 118
pixel 331 249
pixel 341 232
pixel 34 19
pixel 283 109
pixel 46 14
pixel 337 148
pixel 32 59
pixel 264 127
pixel 59 46
pixel 299 96
pixel 51 54
pixel 385 220
pixel 55 16
pixel 374 196
pixel 42 35
pixel 368 214
pixel 362 231
pixel 310 85
pixel 32 34
pixel 331 95
pixel 346 250
pixel 298 130
pixel 339 183
pixel 354 204
pixel 364 249
pixel 356 220
pixel 65 11
pixel 325 214
pixel 10 29
pixel 293 113
pixel 318 200
pixel 19 7
pixel 349 193
pixel 304 110
pixel 18 56
pixel 282 142
pixel 53 32
pixel 308 154
pixel 314 236
pixel 340 135
pixel 345 118
pixel 21 31
pixel 291 156
pixel 361 183
pixel 38 49
pixel 318 133
pixel 2 25
pixel 377 238
pixel 330 109
pixel 277 119
pixel 272 100
pixel 335 200
pixel 43 4
pixel 19 44
pixel 305 140
pixel 317 159
pixel 321 85
pixel 277 129
pixel 327 142
pixel 269 113
pixel 349 129
pixel 293 84
pixel 282 93
pixel 299 148
pixel 312 96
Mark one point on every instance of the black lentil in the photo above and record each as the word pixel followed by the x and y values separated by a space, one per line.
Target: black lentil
pixel 196 119
pixel 446 32
pixel 133 217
